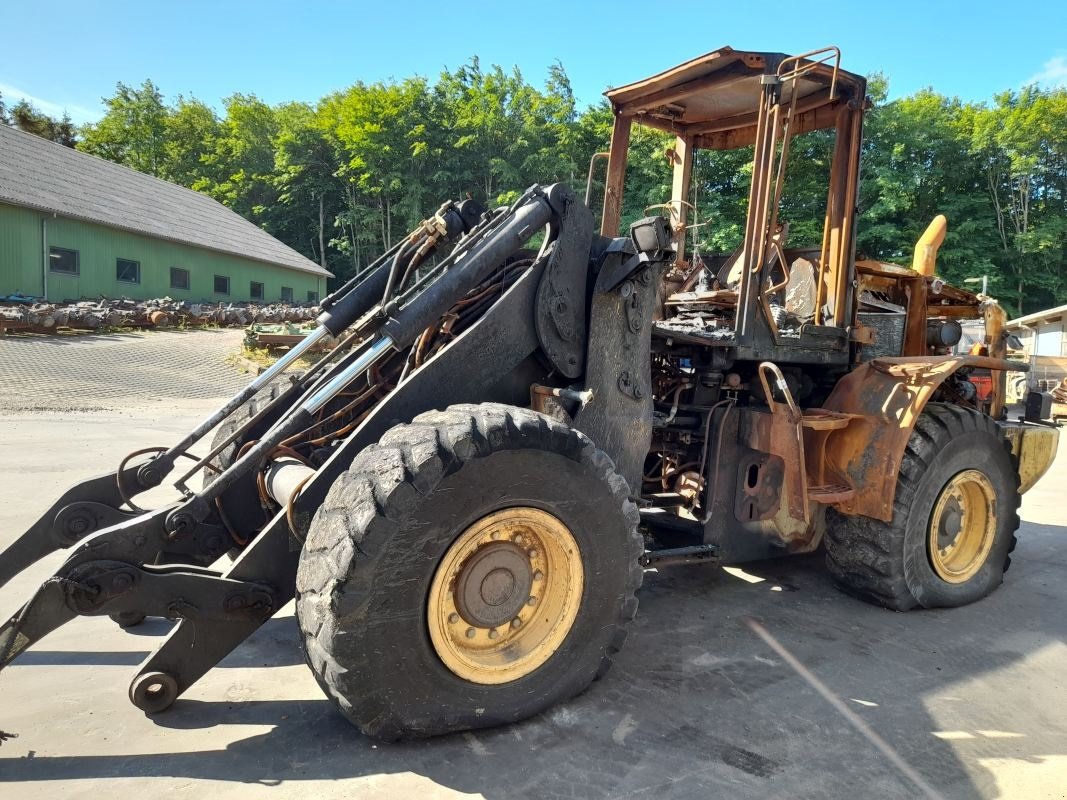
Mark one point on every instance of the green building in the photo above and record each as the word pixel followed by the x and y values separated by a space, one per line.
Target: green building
pixel 74 226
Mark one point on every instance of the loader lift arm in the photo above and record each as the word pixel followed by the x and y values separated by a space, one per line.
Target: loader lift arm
pixel 111 569
pixel 96 504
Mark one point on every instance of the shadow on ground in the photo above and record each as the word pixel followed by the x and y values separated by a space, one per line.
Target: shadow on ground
pixel 696 704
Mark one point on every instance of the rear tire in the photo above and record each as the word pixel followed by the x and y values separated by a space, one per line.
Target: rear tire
pixel 388 543
pixel 954 519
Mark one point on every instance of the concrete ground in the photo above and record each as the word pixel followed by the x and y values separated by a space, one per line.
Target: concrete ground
pixel 697 704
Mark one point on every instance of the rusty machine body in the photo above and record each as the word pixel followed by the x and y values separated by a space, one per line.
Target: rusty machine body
pixel 463 491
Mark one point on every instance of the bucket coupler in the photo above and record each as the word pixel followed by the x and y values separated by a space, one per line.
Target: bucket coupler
pixel 114 569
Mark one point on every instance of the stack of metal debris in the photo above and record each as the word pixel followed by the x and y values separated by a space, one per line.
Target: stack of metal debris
pixel 278 336
pixel 23 313
pixel 1059 394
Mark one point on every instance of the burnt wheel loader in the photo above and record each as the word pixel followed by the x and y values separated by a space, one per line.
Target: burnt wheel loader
pixel 521 414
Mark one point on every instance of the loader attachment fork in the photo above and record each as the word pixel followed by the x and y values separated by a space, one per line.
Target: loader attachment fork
pixel 83 509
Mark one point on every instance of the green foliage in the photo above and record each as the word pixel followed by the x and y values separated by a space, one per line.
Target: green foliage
pixel 341 179
pixel 26 117
pixel 132 131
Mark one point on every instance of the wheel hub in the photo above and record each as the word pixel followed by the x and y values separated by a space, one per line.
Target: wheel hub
pixel 951 522
pixel 505 595
pixel 963 526
pixel 493 585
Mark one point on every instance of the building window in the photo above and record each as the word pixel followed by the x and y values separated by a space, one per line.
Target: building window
pixel 313 297
pixel 179 278
pixel 62 260
pixel 127 271
pixel 222 284
pixel 287 294
pixel 255 290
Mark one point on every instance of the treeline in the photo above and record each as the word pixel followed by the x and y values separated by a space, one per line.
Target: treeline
pixel 341 179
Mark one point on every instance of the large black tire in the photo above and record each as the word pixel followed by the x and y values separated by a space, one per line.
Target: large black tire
pixel 372 549
pixel 890 563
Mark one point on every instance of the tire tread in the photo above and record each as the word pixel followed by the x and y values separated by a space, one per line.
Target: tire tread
pixel 865 556
pixel 382 482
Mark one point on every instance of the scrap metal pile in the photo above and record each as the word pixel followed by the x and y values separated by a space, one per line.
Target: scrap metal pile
pixel 1059 394
pixel 21 313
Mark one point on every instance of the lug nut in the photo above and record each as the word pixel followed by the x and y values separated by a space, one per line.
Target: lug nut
pixel 532 601
pixel 539 576
pixel 470 633
pixel 531 553
pixel 516 623
pixel 494 634
pixel 453 617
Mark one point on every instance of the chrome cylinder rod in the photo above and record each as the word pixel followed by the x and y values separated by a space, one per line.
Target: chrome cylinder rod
pixel 297 420
pixel 330 389
pixel 239 399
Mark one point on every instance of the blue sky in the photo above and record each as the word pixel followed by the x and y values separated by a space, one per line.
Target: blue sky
pixel 67 55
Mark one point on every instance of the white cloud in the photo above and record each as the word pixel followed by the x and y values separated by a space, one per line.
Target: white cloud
pixel 1053 73
pixel 78 114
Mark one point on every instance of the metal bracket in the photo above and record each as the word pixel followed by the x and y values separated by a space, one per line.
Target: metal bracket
pixel 114 587
pixel 677 556
pixel 560 312
pixel 629 386
pixel 78 520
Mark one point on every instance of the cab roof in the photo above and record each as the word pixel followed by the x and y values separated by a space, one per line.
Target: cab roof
pixel 715 98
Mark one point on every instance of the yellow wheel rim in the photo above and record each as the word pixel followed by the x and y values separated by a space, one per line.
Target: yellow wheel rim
pixel 505 595
pixel 963 526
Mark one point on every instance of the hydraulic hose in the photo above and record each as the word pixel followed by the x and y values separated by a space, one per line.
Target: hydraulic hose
pixel 453 220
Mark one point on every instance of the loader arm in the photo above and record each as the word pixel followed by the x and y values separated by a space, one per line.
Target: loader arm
pixel 536 324
pixel 98 503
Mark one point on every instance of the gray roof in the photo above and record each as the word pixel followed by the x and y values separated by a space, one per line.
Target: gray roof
pixel 46 176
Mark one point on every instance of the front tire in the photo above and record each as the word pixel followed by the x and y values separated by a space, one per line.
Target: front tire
pixel 474 568
pixel 954 519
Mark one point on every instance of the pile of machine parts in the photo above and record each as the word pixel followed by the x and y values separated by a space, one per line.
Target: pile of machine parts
pixel 1059 394
pixel 279 335
pixel 30 314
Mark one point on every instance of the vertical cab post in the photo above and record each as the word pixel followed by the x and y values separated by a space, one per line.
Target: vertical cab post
pixel 683 172
pixel 620 143
pixel 839 237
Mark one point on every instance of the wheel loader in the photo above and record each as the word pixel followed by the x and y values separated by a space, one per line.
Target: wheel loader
pixel 524 411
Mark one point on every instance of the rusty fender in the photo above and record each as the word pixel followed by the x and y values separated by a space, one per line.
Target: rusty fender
pixel 885 398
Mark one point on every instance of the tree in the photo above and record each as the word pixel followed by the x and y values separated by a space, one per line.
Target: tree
pixel 26 117
pixel 239 162
pixel 1021 145
pixel 383 144
pixel 341 179
pixel 309 192
pixel 190 130
pixel 132 130
pixel 916 165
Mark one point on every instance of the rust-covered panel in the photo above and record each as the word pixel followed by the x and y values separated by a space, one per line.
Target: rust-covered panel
pixel 886 395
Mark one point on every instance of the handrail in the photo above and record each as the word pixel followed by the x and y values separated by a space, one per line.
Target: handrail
pixel 833 52
pixel 765 367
